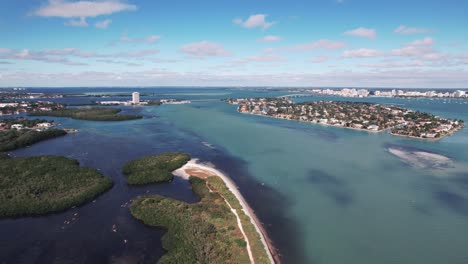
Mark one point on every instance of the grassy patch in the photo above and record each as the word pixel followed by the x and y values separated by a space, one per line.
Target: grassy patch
pixel 205 232
pixel 92 114
pixel 45 184
pixel 155 168
pixel 14 139
pixel 258 250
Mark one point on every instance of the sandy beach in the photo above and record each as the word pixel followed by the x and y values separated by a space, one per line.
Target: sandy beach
pixel 193 168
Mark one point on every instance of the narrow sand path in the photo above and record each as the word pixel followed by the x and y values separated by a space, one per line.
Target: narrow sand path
pixel 249 250
pixel 202 170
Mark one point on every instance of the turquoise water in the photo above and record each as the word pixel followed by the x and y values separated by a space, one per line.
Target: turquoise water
pixel 352 201
pixel 324 194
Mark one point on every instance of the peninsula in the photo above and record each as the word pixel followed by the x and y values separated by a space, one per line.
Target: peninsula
pixel 220 228
pixel 18 133
pixel 355 115
pixel 91 114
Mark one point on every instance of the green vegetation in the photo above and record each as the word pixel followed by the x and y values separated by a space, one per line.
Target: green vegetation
pixel 45 184
pixel 258 250
pixel 14 139
pixel 205 232
pixel 25 122
pixel 157 168
pixel 92 114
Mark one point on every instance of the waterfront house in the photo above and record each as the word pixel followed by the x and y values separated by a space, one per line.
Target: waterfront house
pixel 44 125
pixel 17 126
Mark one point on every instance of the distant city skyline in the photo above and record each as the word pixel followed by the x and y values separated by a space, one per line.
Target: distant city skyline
pixel 328 43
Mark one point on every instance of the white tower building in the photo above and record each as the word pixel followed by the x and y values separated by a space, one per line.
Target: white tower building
pixel 136 98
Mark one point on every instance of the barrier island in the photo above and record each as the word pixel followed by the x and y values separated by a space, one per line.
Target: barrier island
pixel 354 115
pixel 46 184
pixel 218 229
pixel 91 114
pixel 153 169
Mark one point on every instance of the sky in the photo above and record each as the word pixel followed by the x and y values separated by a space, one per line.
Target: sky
pixel 320 43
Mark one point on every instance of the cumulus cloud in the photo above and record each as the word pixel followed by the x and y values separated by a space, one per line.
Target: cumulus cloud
pixel 320 44
pixel 103 24
pixel 72 9
pixel 422 42
pixel 258 20
pixel 362 32
pixel 404 30
pixel 362 53
pixel 205 49
pixel 415 48
pixel 269 38
pixel 81 22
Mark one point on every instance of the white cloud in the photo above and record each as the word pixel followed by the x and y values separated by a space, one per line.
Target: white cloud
pixel 422 42
pixel 205 49
pixel 393 64
pixel 319 59
pixel 374 78
pixel 269 38
pixel 103 24
pixel 62 56
pixel 415 48
pixel 258 20
pixel 264 58
pixel 362 53
pixel 404 30
pixel 320 44
pixel 362 32
pixel 71 9
pixel 150 39
pixel 81 22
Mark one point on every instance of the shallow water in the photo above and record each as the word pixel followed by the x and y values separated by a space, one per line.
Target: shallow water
pixel 325 194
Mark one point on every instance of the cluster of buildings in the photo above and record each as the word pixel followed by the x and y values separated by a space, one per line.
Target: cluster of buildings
pixel 346 92
pixel 27 107
pixel 356 115
pixel 431 94
pixel 22 124
pixel 136 101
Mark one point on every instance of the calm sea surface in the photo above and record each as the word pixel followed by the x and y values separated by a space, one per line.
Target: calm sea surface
pixel 325 195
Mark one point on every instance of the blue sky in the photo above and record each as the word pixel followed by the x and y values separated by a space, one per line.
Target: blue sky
pixel 411 44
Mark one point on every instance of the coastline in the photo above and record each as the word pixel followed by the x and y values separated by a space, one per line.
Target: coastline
pixel 194 165
pixel 362 130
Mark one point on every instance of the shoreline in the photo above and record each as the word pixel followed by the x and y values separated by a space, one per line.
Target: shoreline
pixel 362 130
pixel 266 241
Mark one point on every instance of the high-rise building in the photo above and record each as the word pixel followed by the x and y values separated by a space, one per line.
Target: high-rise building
pixel 136 98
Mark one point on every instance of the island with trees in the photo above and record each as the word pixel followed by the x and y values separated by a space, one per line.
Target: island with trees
pixel 91 114
pixel 355 115
pixel 46 184
pixel 13 139
pixel 217 229
pixel 153 169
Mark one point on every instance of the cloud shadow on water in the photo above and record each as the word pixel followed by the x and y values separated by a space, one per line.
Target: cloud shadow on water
pixel 452 201
pixel 331 186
